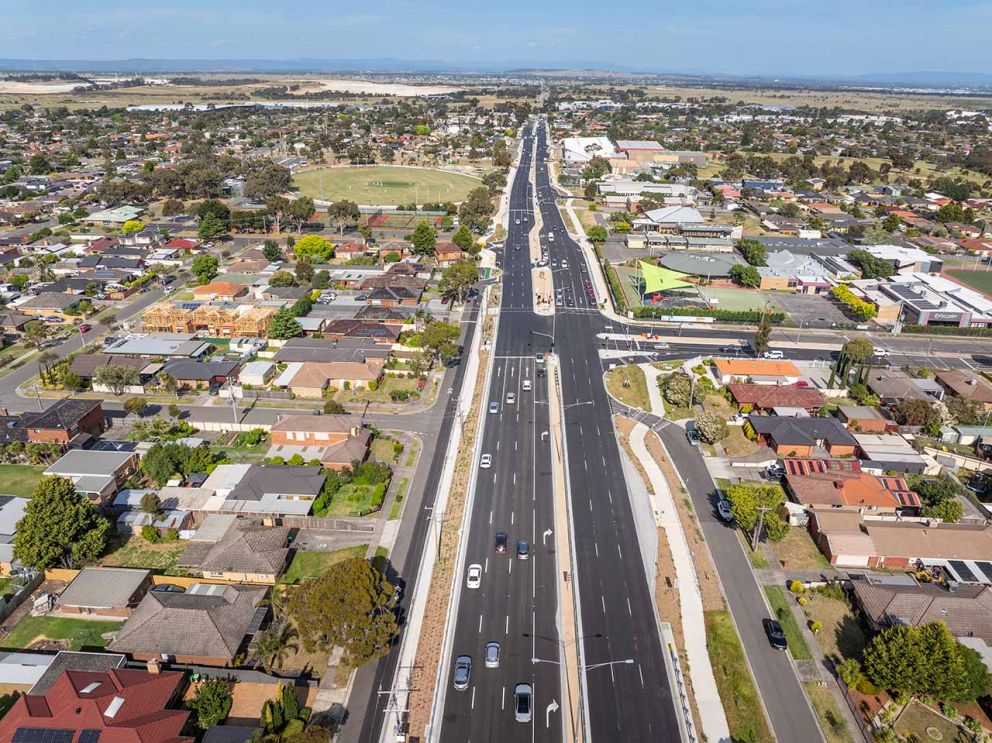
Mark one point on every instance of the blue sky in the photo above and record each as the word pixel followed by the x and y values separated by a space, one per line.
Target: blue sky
pixel 765 37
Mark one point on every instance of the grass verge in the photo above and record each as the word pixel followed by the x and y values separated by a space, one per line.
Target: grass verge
pixel 833 724
pixel 780 607
pixel 738 694
pixel 635 393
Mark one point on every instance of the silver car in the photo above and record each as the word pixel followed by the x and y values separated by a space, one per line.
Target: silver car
pixel 463 672
pixel 522 694
pixel 492 655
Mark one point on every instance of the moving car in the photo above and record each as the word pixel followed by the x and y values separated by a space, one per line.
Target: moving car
pixel 486 461
pixel 776 637
pixel 526 385
pixel 776 354
pixel 511 398
pixel 517 221
pixel 501 540
pixel 85 328
pixel 463 672
pixel 522 694
pixel 492 655
pixel 882 353
pixel 723 510
pixel 494 407
pixel 474 579
pixel 523 549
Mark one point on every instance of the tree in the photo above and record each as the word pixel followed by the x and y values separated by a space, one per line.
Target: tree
pixel 211 703
pixel 300 210
pixel 273 646
pixel 763 333
pixel 870 266
pixel 162 462
pixel 746 503
pixel 35 332
pixel 151 503
pixel 949 511
pixel 304 271
pixel 342 213
pixel 915 413
pixel 211 227
pixel 116 378
pixel 891 223
pixel 477 209
pixel 283 325
pixel 282 279
pixel 302 306
pixel 135 405
pixel 60 527
pixel 132 226
pixel 463 239
pixel 267 180
pixel 746 275
pixel 172 207
pixel 677 389
pixel 204 267
pixel 597 234
pixel 711 427
pixel 439 338
pixel 753 252
pixel 313 248
pixel 457 279
pixel 321 279
pixel 39 165
pixel 424 239
pixel 272 251
pixel 333 407
pixel 170 385
pixel 350 606
pixel 940 497
pixel 213 208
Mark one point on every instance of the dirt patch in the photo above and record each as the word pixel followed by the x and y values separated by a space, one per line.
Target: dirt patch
pixel 798 551
pixel 247 698
pixel 841 636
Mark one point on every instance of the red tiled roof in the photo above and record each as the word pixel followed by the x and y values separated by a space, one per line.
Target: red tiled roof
pixel 818 482
pixel 776 396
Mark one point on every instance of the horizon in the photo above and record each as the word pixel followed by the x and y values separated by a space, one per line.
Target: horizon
pixel 711 38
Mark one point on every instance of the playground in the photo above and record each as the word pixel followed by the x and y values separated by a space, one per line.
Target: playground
pixel 381 185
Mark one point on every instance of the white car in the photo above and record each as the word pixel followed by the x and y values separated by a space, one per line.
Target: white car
pixel 773 355
pixel 525 385
pixel 511 398
pixel 474 579
pixel 493 407
pixel 486 461
pixel 882 353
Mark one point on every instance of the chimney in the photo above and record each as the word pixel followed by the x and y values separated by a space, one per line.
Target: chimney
pixel 154 666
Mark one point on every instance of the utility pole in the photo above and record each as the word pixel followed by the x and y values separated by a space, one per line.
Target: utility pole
pixel 761 525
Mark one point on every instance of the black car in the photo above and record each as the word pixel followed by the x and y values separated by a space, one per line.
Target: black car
pixel 978 483
pixel 776 637
pixel 501 541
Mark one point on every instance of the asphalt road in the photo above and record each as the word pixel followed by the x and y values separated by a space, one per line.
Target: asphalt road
pixel 515 605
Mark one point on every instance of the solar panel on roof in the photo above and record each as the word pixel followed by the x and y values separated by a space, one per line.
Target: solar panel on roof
pixel 963 571
pixel 89 736
pixel 986 568
pixel 42 735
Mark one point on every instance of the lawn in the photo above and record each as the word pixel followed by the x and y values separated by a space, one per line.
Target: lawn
pixel 356 499
pixel 729 298
pixel 780 607
pixel 635 394
pixel 733 680
pixel 798 551
pixel 918 722
pixel 841 636
pixel 386 387
pixel 978 280
pixel 137 553
pixel 312 564
pixel 383 450
pixel 826 709
pixel 385 185
pixel 19 479
pixel 76 633
pixel 397 507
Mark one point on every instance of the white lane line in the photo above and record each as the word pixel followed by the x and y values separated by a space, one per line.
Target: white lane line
pixel 641 674
pixel 596 546
pixel 602 600
pixel 473 697
pixel 512 517
pixel 502 704
pixel 480 624
pixel 490 518
pixel 509 566
pixel 514 478
pixel 497 444
pixel 620 551
pixel 486 568
pixel 631 613
pixel 506 629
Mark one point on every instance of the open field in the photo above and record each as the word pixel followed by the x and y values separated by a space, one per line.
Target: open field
pixel 73 634
pixel 382 185
pixel 19 479
pixel 978 280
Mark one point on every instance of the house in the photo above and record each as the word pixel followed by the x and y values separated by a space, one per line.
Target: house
pixel 261 490
pixel 378 332
pixel 840 483
pixel 104 593
pixel 134 521
pixel 757 371
pixel 96 474
pixel 160 345
pixel 11 511
pixel 115 217
pixel 180 243
pixel 891 452
pixel 197 374
pixel 120 705
pixel 256 373
pixel 208 624
pixel 360 350
pixel 20 671
pixel 892 386
pixel 848 539
pixel 50 304
pixel 967 385
pixel 448 254
pixel 310 379
pixel 803 437
pixel 66 421
pixel 13 323
pixel 88 366
pixel 863 418
pixel 905 259
pixel 966 610
pixel 336 440
pixel 236 549
pixel 763 397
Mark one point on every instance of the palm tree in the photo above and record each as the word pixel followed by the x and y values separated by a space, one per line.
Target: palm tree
pixel 274 645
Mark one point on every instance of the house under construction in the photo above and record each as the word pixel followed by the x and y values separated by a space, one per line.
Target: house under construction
pixel 244 321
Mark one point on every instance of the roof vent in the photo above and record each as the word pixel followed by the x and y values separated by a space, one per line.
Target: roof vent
pixel 114 707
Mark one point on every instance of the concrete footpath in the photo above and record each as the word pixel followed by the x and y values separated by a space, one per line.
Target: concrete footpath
pixel 711 712
pixel 651 374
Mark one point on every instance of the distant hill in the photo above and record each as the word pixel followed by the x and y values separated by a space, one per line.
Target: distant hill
pixel 927 79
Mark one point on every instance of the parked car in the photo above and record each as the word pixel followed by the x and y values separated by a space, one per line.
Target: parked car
pixel 474 579
pixel 774 354
pixel 723 510
pixel 978 483
pixel 692 435
pixel 774 472
pixel 85 327
pixel 463 672
pixel 522 695
pixel 776 636
pixel 486 461
pixel 492 654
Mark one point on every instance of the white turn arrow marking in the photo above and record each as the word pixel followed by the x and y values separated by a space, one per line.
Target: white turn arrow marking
pixel 547 533
pixel 553 707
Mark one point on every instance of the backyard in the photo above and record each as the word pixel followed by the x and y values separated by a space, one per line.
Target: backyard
pixel 311 564
pixel 918 722
pixel 136 552
pixel 841 636
pixel 19 479
pixel 385 185
pixel 66 634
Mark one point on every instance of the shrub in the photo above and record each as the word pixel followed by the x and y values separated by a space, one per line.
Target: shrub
pixel 150 534
pixel 858 307
pixel 741 316
pixel 711 427
pixel 797 587
pixel 373 385
pixel 849 671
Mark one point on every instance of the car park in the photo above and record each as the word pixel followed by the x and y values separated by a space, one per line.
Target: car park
pixel 463 672
pixel 492 654
pixel 486 461
pixel 474 578
pixel 522 696
pixel 523 549
pixel 776 636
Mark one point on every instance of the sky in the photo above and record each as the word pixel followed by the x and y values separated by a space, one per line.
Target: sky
pixel 743 37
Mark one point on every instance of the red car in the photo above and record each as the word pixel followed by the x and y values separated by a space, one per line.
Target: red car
pixel 85 328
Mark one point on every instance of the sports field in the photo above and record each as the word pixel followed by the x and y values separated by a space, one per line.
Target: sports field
pixel 978 280
pixel 382 185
